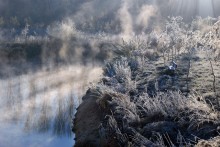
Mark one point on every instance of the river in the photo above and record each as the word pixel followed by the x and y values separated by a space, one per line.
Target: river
pixel 37 108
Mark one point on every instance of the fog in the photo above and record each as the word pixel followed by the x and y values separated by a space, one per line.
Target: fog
pixel 191 8
pixel 51 50
pixel 109 16
pixel 37 108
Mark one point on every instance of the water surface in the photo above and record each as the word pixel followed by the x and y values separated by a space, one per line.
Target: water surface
pixel 37 108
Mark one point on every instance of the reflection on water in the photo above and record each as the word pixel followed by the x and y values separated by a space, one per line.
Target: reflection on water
pixel 37 108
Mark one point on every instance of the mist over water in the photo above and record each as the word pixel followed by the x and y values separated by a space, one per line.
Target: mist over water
pixel 95 16
pixel 37 109
pixel 51 50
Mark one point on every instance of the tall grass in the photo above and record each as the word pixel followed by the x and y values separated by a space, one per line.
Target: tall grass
pixel 136 111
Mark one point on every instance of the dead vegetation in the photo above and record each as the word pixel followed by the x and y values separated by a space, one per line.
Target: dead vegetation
pixel 143 103
pixel 133 117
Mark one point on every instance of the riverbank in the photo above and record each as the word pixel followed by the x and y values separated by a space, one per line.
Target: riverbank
pixel 142 101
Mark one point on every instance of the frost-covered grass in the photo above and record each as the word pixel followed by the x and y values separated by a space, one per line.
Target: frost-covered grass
pixel 133 116
pixel 145 104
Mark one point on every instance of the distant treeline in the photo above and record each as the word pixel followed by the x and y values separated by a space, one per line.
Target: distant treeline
pixel 17 13
pixel 101 16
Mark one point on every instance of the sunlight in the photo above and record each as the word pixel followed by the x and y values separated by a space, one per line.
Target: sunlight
pixel 60 56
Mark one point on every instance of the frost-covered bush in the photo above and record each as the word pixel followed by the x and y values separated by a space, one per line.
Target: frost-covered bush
pixel 136 110
pixel 133 118
pixel 136 121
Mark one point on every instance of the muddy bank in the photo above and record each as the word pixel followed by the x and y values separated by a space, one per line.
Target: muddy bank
pixel 87 122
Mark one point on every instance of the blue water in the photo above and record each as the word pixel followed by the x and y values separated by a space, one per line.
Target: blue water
pixel 37 108
pixel 13 135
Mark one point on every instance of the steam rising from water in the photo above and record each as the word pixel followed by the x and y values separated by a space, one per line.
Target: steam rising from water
pixel 43 102
pixel 47 96
pixel 63 30
pixel 146 12
pixel 134 16
pixel 125 18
